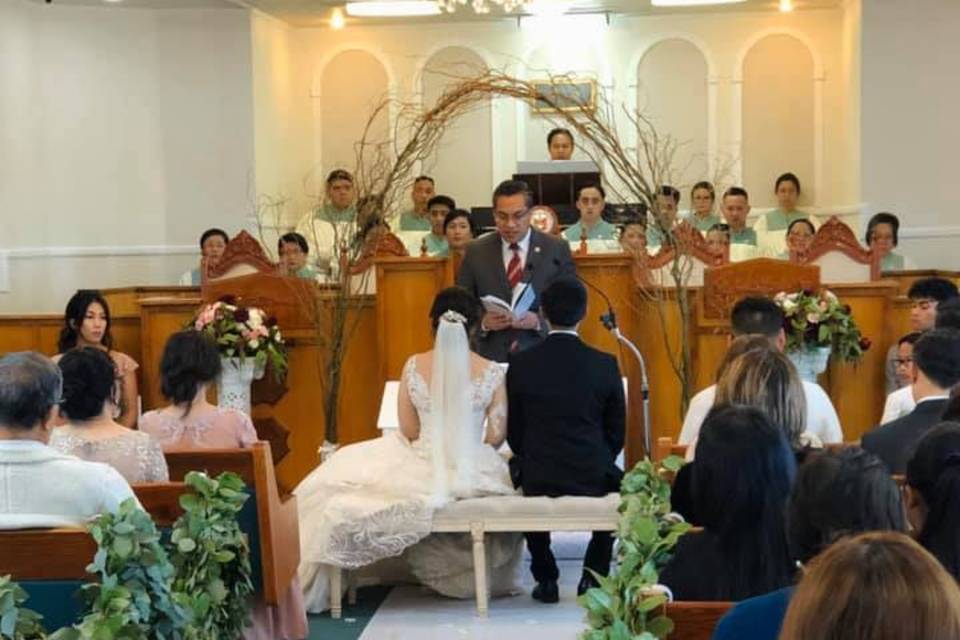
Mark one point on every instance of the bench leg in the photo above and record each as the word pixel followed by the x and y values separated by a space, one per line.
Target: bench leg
pixel 336 593
pixel 479 567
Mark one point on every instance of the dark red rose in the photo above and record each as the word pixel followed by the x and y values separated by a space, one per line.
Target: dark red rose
pixel 865 343
pixel 846 309
pixel 229 299
pixel 241 315
pixel 271 321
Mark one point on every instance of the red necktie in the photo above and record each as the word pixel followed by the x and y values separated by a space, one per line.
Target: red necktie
pixel 514 268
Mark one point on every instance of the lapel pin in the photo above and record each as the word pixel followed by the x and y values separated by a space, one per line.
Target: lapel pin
pixel 536 249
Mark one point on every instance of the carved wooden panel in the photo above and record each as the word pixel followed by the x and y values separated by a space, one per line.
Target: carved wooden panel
pixel 243 249
pixel 723 286
pixel 834 235
pixel 378 246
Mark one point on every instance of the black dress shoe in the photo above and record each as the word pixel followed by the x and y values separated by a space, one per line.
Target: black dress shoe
pixel 546 592
pixel 586 582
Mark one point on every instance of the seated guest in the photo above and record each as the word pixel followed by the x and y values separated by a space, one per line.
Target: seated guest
pixel 41 487
pixel 948 314
pixel 459 230
pixel 591 201
pixel 190 364
pixel 740 483
pixel 633 238
pixel 925 294
pixel 718 239
pixel 91 433
pixel 933 494
pixel 800 235
pixel 936 356
pixel 702 199
pixel 86 323
pixel 565 426
pixel 664 218
pixel 418 218
pixel 332 223
pixel 876 586
pixel 882 237
pixel 436 241
pixel 735 206
pixel 834 495
pixel 213 243
pixel 756 315
pixel 293 251
pixel 560 144
pixel 771 226
pixel 901 402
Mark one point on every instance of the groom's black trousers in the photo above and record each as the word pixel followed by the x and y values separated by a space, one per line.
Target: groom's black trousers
pixel 543 565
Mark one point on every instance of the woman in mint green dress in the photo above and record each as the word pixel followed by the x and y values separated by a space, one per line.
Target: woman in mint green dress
pixel 702 199
pixel 882 237
pixel 787 188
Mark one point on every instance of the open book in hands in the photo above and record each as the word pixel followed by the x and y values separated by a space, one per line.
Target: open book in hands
pixel 521 301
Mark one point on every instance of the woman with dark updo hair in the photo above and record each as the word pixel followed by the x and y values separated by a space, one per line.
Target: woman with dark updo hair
pixel 190 364
pixel 86 323
pixel 88 404
pixel 375 499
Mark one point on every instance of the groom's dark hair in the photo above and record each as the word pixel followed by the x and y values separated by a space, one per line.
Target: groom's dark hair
pixel 564 302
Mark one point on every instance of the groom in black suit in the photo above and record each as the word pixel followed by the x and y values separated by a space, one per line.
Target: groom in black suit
pixel 565 426
pixel 496 262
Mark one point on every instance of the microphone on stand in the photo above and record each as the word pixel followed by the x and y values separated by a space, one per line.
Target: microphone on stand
pixel 609 321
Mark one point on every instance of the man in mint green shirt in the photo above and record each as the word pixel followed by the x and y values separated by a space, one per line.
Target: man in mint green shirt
pixel 665 217
pixel 438 208
pixel 418 218
pixel 736 207
pixel 591 201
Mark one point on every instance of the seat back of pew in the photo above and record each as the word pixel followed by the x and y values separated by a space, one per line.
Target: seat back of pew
pixel 695 620
pixel 665 448
pixel 161 500
pixel 51 566
pixel 276 544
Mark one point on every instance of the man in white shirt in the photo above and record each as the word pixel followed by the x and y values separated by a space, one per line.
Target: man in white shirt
pixel 40 487
pixel 901 402
pixel 761 316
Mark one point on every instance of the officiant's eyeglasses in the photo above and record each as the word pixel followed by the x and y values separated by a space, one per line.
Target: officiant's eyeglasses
pixel 503 217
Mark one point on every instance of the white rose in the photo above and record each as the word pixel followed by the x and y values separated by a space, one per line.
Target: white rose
pixel 255 321
pixel 253 344
pixel 789 306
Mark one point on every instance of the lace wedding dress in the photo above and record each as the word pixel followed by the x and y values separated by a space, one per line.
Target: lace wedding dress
pixel 375 499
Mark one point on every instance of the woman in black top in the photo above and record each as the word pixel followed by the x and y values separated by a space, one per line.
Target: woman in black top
pixel 740 485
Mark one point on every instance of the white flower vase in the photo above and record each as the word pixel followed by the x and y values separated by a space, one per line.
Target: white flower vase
pixel 810 362
pixel 233 385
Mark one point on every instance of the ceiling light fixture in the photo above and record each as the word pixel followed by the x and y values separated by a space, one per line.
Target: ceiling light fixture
pixel 484 6
pixel 786 6
pixel 393 8
pixel 691 3
pixel 337 21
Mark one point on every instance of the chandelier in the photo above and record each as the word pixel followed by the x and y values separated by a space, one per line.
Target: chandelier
pixel 483 6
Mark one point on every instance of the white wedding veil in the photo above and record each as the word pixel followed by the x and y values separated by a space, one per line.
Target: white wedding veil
pixel 454 444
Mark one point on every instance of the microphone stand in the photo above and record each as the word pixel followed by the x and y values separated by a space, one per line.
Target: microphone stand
pixel 609 321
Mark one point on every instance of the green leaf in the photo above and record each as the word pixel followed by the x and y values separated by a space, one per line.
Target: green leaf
pixel 186 545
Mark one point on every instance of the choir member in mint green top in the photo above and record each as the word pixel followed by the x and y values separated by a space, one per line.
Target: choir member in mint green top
pixel 459 230
pixel 591 201
pixel 438 208
pixel 294 251
pixel 882 237
pixel 664 215
pixel 213 242
pixel 702 199
pixel 333 223
pixel 418 218
pixel 560 144
pixel 718 239
pixel 735 205
pixel 800 235
pixel 787 189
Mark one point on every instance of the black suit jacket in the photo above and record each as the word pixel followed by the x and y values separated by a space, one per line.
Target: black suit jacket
pixel 483 273
pixel 895 441
pixel 565 419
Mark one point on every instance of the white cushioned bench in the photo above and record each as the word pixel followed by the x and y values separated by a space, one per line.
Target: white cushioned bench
pixel 498 514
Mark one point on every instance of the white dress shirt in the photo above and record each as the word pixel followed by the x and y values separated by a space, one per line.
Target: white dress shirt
pixel 523 243
pixel 822 420
pixel 40 487
pixel 898 404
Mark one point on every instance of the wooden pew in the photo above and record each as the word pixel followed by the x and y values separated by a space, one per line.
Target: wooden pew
pixel 277 520
pixel 695 620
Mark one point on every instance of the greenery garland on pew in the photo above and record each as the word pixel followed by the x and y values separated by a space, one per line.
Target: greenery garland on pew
pixel 625 606
pixel 199 590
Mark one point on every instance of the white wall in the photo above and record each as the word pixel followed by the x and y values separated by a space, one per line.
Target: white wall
pixel 909 125
pixel 123 133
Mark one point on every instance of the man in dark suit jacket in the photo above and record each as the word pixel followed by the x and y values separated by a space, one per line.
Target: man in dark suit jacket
pixel 936 359
pixel 565 426
pixel 515 252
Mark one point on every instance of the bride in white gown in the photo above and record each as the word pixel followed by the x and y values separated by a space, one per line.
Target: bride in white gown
pixel 375 499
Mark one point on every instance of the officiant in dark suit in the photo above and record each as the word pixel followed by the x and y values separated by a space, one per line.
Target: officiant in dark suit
pixel 565 425
pixel 495 263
